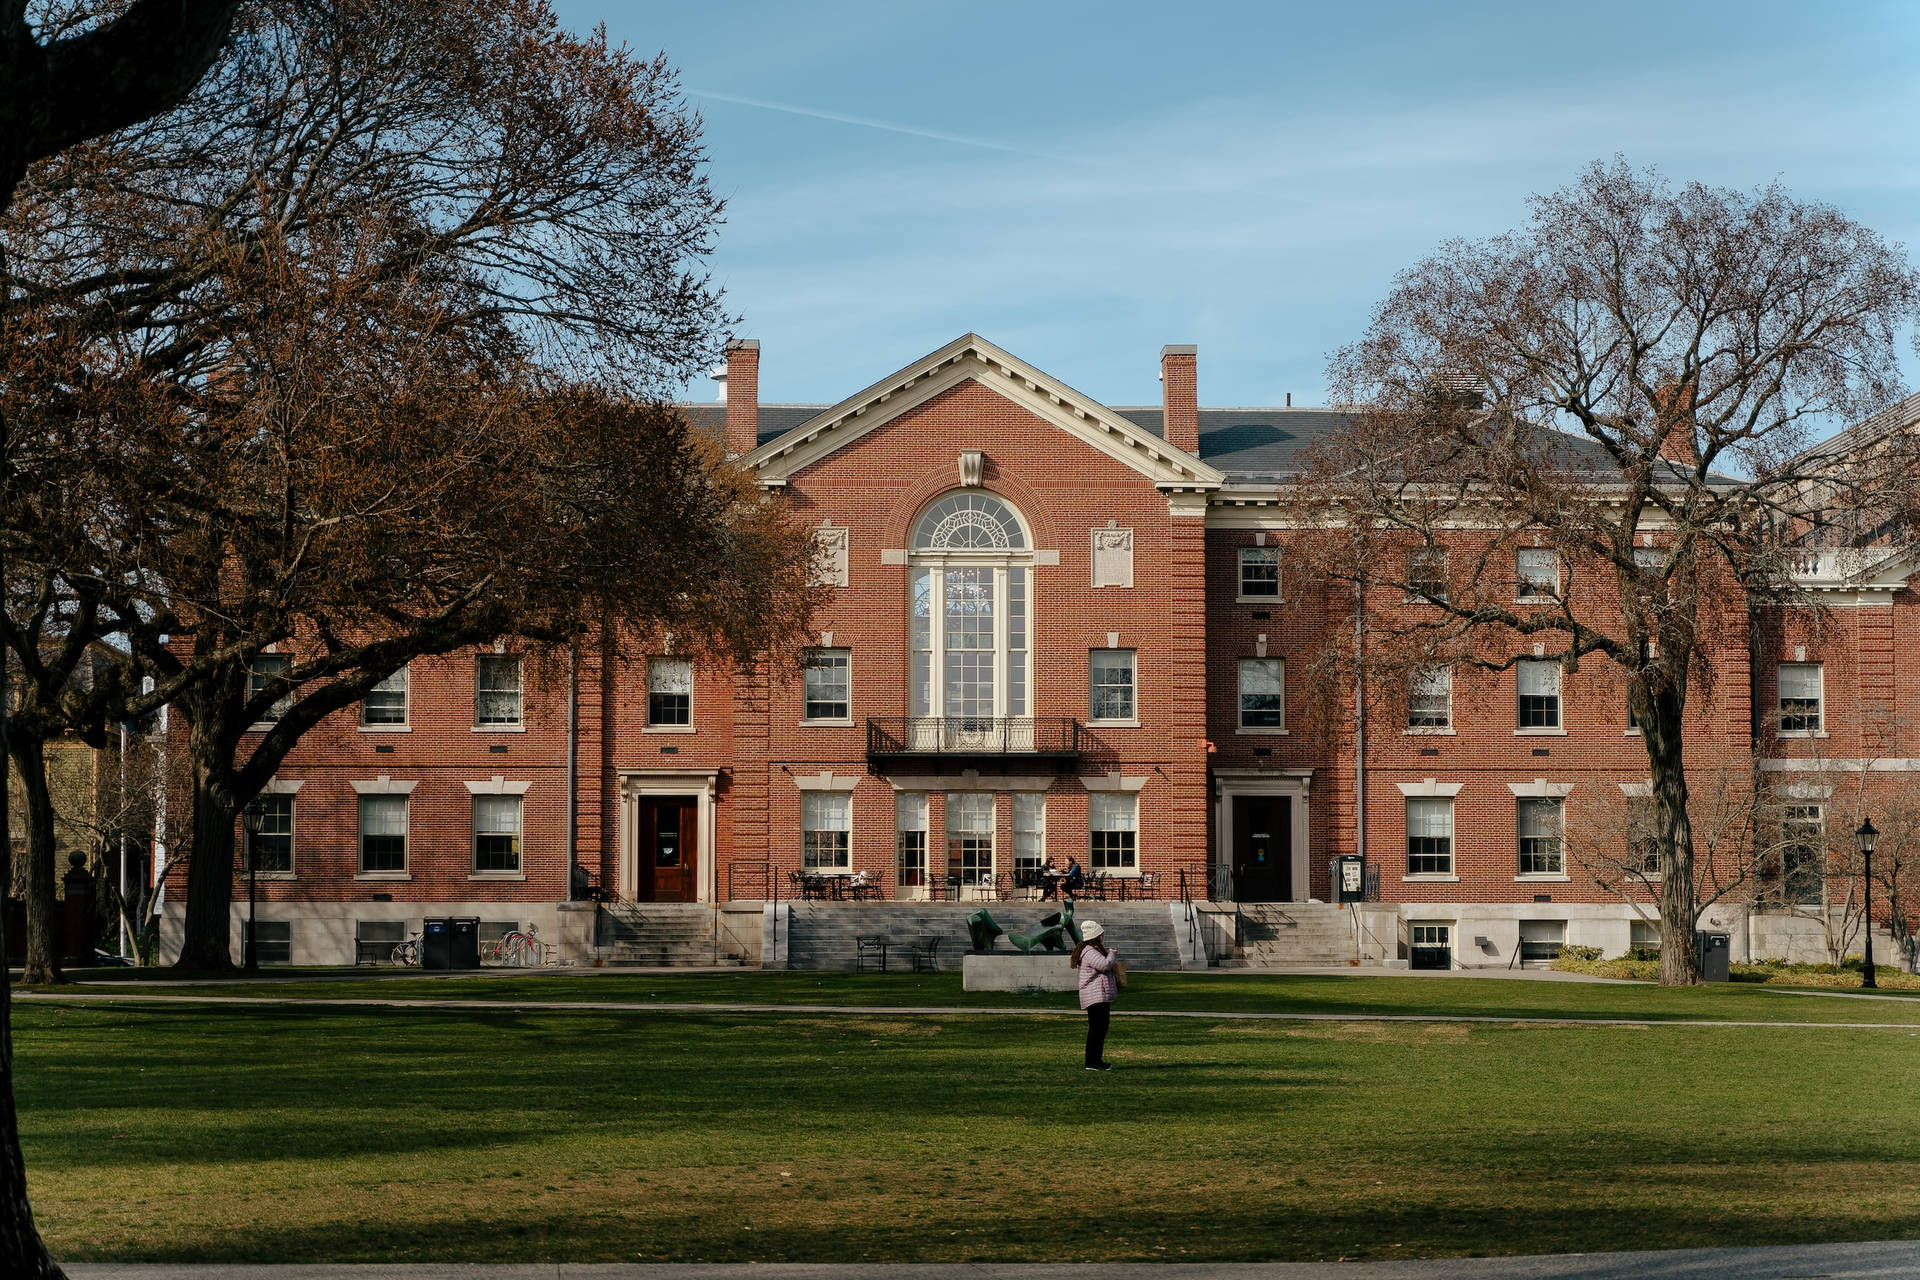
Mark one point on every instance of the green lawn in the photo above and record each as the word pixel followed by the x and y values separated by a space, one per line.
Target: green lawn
pixel 346 1134
pixel 1213 991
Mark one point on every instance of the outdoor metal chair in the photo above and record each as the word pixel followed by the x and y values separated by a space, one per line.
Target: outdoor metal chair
pixel 870 954
pixel 926 954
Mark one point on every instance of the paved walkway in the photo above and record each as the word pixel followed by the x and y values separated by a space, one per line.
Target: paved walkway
pixel 1887 1260
pixel 68 995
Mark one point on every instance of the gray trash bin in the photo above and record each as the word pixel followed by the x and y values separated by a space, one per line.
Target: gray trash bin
pixel 1715 956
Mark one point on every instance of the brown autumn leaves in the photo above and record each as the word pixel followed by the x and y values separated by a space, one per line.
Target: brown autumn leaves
pixel 363 352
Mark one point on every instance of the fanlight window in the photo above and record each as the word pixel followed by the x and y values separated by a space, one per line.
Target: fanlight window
pixel 970 521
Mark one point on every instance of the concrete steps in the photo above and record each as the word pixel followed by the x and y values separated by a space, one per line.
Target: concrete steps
pixel 1281 934
pixel 662 934
pixel 823 933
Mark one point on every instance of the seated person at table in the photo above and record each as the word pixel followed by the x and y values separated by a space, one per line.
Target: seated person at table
pixel 1046 877
pixel 1074 879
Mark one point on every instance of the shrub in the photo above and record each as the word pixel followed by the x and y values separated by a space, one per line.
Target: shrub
pixel 1577 953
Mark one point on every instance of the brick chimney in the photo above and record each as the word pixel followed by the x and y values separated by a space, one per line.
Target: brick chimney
pixel 743 396
pixel 1180 397
pixel 1673 409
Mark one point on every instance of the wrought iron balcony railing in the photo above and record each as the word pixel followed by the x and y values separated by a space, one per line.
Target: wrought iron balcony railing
pixel 909 737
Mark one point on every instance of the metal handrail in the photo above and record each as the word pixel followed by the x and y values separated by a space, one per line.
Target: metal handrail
pixel 763 869
pixel 974 735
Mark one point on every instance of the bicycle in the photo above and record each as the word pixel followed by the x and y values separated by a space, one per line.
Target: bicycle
pixel 408 952
pixel 519 950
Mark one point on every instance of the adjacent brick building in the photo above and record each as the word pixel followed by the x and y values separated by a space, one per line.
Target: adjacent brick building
pixel 1058 630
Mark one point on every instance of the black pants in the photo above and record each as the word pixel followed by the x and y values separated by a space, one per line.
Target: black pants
pixel 1097 1015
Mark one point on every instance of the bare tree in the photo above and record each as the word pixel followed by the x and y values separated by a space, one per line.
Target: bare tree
pixel 1626 385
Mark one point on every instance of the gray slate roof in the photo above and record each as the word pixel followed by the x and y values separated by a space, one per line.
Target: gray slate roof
pixel 1247 444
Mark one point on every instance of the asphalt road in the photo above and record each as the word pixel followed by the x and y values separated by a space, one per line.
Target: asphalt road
pixel 1884 1260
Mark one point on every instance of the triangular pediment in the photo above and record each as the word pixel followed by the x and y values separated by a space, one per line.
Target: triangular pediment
pixel 972 358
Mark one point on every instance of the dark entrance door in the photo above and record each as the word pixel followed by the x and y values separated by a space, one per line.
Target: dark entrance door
pixel 1263 848
pixel 669 852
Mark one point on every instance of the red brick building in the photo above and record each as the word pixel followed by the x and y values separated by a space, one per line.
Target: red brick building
pixel 1058 630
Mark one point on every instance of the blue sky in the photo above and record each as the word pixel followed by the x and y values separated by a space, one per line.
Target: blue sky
pixel 1083 182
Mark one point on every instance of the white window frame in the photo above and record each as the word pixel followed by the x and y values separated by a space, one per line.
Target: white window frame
pixel 405 869
pixel 1520 672
pixel 1523 805
pixel 911 835
pixel 291 833
pixel 1430 805
pixel 1259 556
pixel 1095 659
pixel 1418 575
pixel 1009 573
pixel 1439 673
pixel 1808 817
pixel 481 722
pixel 1819 727
pixel 1029 830
pixel 261 943
pixel 1524 583
pixel 398 682
pixel 1241 695
pixel 661 664
pixel 518 870
pixel 1116 815
pixel 981 873
pixel 810 663
pixel 826 832
pixel 256 684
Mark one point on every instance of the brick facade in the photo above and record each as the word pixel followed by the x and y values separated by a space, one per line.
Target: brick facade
pixel 1134 523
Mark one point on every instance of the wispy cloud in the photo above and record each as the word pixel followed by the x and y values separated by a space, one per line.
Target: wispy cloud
pixel 867 122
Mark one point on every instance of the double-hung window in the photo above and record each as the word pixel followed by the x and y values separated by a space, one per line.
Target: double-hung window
pixel 1801 697
pixel 270 849
pixel 386 702
pixel 383 834
pixel 1427 573
pixel 496 833
pixel 1259 573
pixel 669 693
pixel 827 680
pixel 1263 693
pixel 826 829
pixel 1537 574
pixel 1539 692
pixel 1541 823
pixel 496 689
pixel 273 941
pixel 1430 698
pixel 970 836
pixel 1029 831
pixel 1429 835
pixel 1110 675
pixel 267 677
pixel 910 837
pixel 1803 854
pixel 1113 824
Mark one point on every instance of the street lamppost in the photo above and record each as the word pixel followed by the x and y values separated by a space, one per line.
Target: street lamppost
pixel 251 819
pixel 1867 836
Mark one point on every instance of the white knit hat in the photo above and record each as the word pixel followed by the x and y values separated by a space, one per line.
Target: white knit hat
pixel 1090 929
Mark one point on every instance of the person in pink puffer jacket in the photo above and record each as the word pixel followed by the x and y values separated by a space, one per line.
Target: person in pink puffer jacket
pixel 1101 976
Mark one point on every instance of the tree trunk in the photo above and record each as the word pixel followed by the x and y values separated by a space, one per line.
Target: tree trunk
pixel 43 910
pixel 1679 909
pixel 208 933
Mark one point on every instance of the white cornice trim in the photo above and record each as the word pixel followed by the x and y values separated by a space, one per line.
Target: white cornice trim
pixel 1113 782
pixel 1428 787
pixel 384 786
pixel 826 780
pixel 283 786
pixel 1886 764
pixel 1540 788
pixel 973 357
pixel 498 786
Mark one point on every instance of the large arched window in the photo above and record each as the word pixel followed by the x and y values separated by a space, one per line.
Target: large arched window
pixel 972 618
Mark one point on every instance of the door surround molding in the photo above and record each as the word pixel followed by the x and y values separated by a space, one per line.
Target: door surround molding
pixel 1293 784
pixel 701 784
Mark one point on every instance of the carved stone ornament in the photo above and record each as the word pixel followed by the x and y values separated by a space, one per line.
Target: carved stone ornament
pixel 1112 557
pixel 973 468
pixel 830 557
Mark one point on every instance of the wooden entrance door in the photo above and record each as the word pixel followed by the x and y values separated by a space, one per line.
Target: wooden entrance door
pixel 669 848
pixel 1263 848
